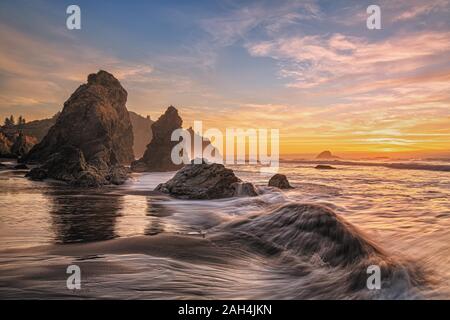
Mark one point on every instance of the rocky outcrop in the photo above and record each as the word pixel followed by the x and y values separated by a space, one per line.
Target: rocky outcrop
pixel 205 144
pixel 206 181
pixel 280 181
pixel 324 167
pixel 142 131
pixel 91 139
pixel 70 165
pixel 326 155
pixel 157 157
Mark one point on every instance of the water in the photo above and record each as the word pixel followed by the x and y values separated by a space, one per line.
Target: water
pixel 132 243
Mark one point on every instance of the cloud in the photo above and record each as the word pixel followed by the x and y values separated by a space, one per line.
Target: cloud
pixel 415 10
pixel 310 61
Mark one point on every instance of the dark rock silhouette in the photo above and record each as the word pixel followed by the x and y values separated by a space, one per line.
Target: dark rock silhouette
pixel 157 157
pixel 206 181
pixel 205 144
pixel 91 139
pixel 326 155
pixel 324 167
pixel 280 181
pixel 142 131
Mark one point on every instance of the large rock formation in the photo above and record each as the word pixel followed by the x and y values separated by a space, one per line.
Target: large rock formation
pixel 142 131
pixel 157 157
pixel 206 181
pixel 91 139
pixel 279 181
pixel 326 155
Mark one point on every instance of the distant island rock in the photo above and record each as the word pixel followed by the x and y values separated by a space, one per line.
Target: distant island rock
pixel 206 181
pixel 325 167
pixel 326 155
pixel 157 156
pixel 92 138
pixel 280 181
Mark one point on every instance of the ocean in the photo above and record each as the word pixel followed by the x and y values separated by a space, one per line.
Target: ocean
pixel 133 243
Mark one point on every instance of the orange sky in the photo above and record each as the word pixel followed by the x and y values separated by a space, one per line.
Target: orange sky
pixel 313 71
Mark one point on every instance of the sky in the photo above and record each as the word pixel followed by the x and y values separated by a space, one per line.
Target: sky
pixel 311 69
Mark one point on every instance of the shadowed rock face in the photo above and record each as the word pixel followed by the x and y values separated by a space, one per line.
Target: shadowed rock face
pixel 93 133
pixel 206 181
pixel 279 181
pixel 142 129
pixel 205 144
pixel 157 157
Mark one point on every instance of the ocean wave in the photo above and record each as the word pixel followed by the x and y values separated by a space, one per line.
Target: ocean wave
pixel 391 165
pixel 315 237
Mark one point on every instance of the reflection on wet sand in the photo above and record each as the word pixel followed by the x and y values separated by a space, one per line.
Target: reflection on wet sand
pixel 156 213
pixel 83 217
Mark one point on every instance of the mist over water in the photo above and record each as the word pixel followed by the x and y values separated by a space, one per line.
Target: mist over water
pixel 133 243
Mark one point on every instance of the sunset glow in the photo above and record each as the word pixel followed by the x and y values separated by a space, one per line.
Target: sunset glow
pixel 310 69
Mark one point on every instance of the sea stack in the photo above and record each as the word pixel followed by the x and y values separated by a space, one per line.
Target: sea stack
pixel 92 138
pixel 326 155
pixel 157 156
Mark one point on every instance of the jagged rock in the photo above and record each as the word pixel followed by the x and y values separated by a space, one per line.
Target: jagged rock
pixel 326 155
pixel 206 181
pixel 157 157
pixel 215 154
pixel 91 137
pixel 324 167
pixel 280 181
pixel 142 131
